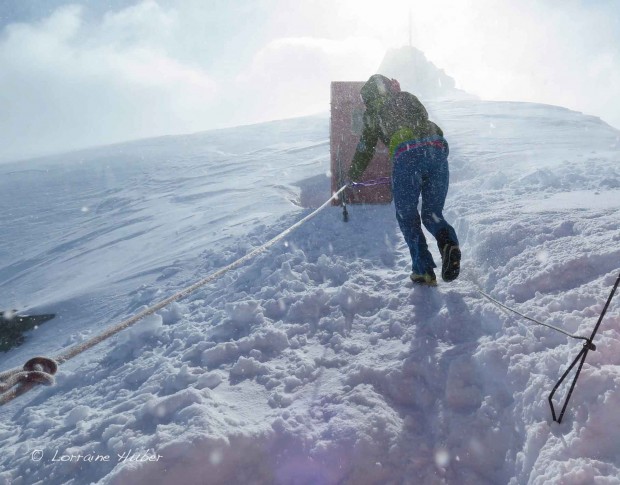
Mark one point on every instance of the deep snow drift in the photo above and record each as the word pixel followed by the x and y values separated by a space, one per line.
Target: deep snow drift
pixel 318 362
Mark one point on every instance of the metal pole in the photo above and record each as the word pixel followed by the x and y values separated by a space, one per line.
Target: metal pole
pixel 345 213
pixel 581 358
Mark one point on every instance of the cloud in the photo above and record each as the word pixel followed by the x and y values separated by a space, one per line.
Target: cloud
pixel 83 77
pixel 530 51
pixel 66 84
pixel 71 81
pixel 294 73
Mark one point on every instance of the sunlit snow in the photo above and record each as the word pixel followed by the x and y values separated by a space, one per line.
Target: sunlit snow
pixel 317 362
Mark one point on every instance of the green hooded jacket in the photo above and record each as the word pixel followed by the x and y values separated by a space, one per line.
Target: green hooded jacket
pixel 394 117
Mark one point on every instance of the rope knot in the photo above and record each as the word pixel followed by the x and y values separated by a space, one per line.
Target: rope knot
pixel 41 370
pixel 38 370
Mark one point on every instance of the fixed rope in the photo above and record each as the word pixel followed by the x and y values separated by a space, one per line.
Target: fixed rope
pixel 581 357
pixel 366 183
pixel 41 370
pixel 372 183
pixel 505 307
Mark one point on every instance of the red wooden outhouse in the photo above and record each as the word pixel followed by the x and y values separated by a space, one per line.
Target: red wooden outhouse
pixel 347 110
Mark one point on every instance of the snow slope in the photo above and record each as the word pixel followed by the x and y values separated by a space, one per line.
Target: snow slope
pixel 317 362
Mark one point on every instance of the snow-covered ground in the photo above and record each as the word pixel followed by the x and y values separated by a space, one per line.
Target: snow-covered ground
pixel 317 362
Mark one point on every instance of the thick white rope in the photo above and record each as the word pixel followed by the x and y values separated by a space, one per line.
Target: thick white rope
pixel 18 380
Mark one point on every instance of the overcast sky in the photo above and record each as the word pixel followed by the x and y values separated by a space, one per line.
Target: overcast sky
pixel 83 73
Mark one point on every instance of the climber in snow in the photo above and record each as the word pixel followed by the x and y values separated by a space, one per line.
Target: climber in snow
pixel 419 155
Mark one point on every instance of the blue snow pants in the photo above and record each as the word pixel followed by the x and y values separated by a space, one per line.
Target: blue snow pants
pixel 421 168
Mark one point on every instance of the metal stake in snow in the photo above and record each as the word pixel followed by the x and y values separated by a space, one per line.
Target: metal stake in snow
pixel 41 370
pixel 581 357
pixel 345 213
pixel 587 346
pixel 368 183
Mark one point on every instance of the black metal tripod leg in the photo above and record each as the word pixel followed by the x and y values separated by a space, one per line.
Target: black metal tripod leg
pixel 582 356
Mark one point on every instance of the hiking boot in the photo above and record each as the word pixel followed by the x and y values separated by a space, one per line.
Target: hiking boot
pixel 427 278
pixel 451 262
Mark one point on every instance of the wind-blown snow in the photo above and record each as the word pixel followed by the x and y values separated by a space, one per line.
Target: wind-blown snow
pixel 318 362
